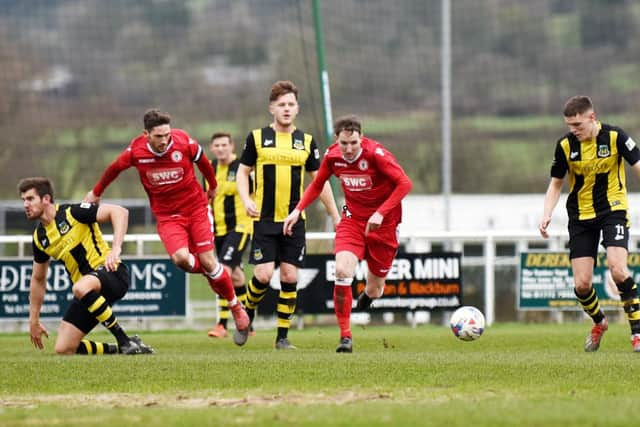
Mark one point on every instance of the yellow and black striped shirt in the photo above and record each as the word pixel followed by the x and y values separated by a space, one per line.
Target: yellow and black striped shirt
pixel 74 238
pixel 228 211
pixel 280 160
pixel 597 184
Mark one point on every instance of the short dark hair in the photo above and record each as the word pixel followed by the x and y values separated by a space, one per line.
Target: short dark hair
pixel 155 117
pixel 42 185
pixel 349 123
pixel 579 104
pixel 221 135
pixel 282 87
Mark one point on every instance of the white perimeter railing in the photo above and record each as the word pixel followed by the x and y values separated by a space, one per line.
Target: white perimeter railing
pixel 418 242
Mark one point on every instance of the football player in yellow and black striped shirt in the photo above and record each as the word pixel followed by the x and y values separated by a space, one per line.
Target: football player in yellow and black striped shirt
pixel 279 154
pixel 592 154
pixel 231 223
pixel 70 234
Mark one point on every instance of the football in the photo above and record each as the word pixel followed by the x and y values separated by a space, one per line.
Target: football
pixel 467 323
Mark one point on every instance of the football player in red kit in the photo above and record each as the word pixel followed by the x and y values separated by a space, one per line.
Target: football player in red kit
pixel 164 159
pixel 374 185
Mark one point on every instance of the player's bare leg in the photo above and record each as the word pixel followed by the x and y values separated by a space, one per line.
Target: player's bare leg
pixel 68 339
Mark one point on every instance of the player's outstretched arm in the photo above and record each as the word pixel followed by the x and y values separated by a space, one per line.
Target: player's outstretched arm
pixel 374 222
pixel 329 202
pixel 119 218
pixel 551 198
pixel 636 168
pixel 402 187
pixel 242 181
pixel 90 197
pixel 204 164
pixel 290 221
pixel 321 188
pixel 121 163
pixel 37 290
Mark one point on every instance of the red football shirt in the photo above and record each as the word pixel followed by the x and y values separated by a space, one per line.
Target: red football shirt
pixel 168 178
pixel 374 181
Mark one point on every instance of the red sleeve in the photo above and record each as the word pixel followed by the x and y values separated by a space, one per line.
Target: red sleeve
pixel 113 170
pixel 390 167
pixel 204 164
pixel 315 188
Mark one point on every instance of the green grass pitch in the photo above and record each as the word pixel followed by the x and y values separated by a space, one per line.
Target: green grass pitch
pixel 514 375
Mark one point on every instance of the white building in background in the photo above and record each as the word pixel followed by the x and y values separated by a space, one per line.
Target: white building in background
pixel 473 213
pixel 470 213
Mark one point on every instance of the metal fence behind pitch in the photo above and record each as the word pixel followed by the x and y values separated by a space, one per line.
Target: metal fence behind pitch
pixel 490 261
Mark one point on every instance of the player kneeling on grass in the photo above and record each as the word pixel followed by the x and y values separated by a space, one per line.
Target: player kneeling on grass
pixel 374 185
pixel 71 234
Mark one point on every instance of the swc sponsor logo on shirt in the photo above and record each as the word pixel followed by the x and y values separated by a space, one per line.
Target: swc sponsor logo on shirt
pixel 165 176
pixel 356 182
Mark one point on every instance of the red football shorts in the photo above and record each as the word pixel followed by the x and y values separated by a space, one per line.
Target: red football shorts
pixel 193 230
pixel 378 248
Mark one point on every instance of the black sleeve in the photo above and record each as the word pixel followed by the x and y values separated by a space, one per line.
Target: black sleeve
pixel 39 256
pixel 249 154
pixel 627 147
pixel 313 161
pixel 84 212
pixel 559 165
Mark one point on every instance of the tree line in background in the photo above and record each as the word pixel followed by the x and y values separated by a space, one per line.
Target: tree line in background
pixel 78 75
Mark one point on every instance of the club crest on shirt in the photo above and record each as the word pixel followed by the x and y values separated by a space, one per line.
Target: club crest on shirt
pixel 176 156
pixel 298 144
pixel 363 165
pixel 603 151
pixel 64 227
pixel 231 176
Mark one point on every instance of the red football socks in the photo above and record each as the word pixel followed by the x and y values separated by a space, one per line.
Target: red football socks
pixel 342 300
pixel 220 282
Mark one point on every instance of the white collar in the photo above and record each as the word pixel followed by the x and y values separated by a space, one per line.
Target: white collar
pixel 355 158
pixel 159 154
